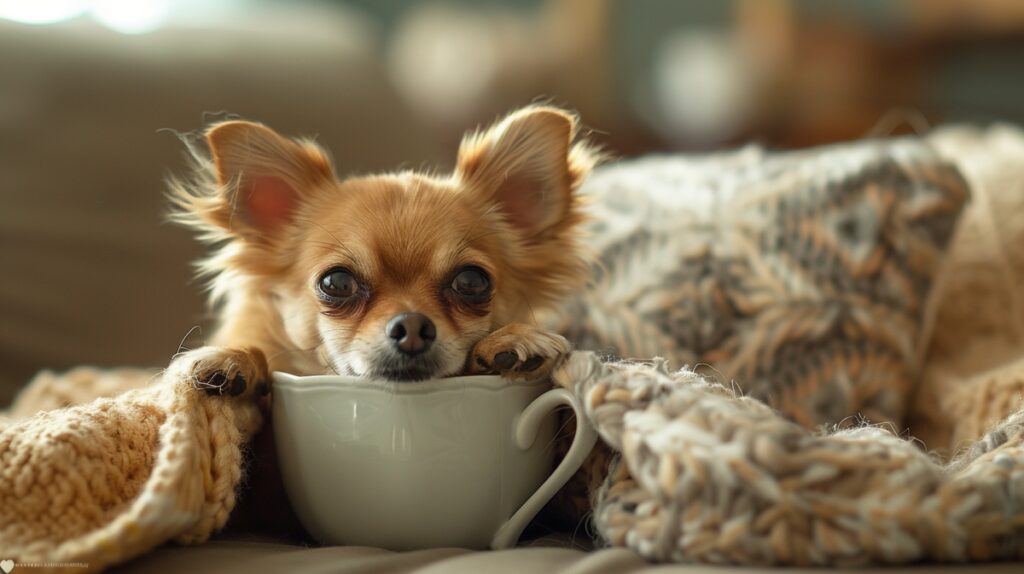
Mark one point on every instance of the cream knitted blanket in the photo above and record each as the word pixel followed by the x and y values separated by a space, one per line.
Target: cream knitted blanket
pixel 700 474
pixel 96 484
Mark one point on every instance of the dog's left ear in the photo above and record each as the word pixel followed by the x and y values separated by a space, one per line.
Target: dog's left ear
pixel 528 166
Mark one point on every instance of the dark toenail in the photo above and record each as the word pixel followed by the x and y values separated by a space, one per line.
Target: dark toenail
pixel 215 384
pixel 532 363
pixel 505 360
pixel 480 362
pixel 263 389
pixel 237 385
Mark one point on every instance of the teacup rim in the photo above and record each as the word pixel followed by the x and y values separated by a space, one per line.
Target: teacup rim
pixel 289 381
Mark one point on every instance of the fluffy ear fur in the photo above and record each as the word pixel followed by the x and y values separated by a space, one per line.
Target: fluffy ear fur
pixel 242 194
pixel 527 166
pixel 252 182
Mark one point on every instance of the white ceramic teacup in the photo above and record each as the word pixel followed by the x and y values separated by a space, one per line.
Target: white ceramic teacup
pixel 464 461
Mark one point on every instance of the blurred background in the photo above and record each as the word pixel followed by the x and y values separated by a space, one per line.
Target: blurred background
pixel 93 93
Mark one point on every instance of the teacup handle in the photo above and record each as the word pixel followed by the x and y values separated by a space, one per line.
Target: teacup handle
pixel 526 427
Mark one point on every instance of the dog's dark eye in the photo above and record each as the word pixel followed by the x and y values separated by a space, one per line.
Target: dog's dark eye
pixel 472 284
pixel 337 285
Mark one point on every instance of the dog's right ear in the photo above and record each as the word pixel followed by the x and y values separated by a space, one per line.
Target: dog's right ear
pixel 260 179
pixel 262 174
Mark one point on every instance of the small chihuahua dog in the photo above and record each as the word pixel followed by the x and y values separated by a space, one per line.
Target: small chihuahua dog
pixel 404 276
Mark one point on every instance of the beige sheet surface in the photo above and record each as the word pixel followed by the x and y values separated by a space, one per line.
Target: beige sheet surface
pixel 229 557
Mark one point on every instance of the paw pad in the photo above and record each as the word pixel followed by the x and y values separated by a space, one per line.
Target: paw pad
pixel 506 360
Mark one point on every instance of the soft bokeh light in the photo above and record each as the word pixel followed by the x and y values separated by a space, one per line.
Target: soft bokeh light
pixel 41 11
pixel 131 16
pixel 126 16
pixel 701 86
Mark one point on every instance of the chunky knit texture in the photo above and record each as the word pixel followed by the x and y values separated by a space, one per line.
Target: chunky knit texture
pixel 803 277
pixel 695 471
pixel 101 482
pixel 707 475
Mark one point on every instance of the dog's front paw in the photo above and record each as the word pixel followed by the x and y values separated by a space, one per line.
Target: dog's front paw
pixel 519 352
pixel 224 371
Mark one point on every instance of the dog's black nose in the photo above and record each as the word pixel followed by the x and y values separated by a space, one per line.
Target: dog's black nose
pixel 412 333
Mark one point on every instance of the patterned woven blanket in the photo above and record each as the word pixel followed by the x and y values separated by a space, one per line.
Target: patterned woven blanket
pixel 803 290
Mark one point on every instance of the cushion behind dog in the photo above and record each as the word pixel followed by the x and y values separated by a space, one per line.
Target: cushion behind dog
pixel 803 278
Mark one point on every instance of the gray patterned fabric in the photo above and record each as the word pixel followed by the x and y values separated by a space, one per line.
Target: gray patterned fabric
pixel 802 278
